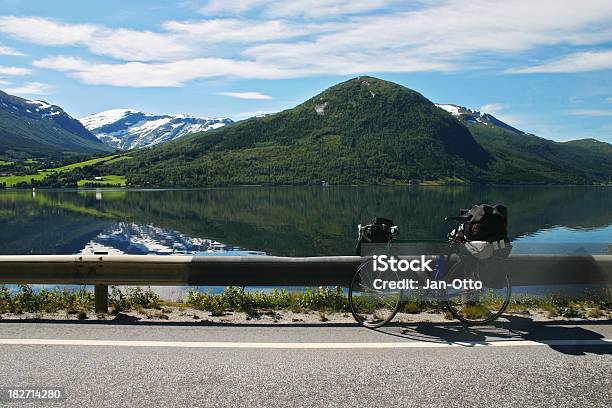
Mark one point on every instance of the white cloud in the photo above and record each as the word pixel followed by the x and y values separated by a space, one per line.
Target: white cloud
pixel 62 63
pixel 280 40
pixel 30 88
pixel 283 8
pixel 452 35
pixel 132 45
pixel 245 95
pixel 165 74
pixel 592 112
pixel 4 82
pixel 43 31
pixel 577 62
pixel 10 51
pixel 238 31
pixel 126 44
pixel 246 115
pixel 214 7
pixel 492 108
pixel 325 8
pixel 14 71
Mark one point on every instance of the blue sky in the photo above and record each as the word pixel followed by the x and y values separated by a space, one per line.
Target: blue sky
pixel 543 66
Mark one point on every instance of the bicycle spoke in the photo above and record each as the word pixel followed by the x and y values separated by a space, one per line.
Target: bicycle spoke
pixel 370 306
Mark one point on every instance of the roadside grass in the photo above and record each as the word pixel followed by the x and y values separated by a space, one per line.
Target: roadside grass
pixel 590 304
pixel 12 180
pixel 473 312
pixel 323 300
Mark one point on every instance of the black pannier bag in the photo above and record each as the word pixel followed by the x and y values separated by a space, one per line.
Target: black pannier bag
pixel 487 223
pixel 378 231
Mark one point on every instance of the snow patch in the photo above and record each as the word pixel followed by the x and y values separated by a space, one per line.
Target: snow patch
pixel 42 104
pixel 97 120
pixel 320 109
pixel 452 109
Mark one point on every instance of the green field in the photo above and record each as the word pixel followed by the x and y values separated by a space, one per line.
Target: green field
pixel 5 163
pixel 11 181
pixel 107 181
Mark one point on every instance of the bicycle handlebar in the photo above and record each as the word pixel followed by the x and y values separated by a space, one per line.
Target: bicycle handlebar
pixel 457 218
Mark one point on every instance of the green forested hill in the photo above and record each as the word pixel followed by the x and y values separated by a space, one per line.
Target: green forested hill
pixel 37 129
pixel 525 158
pixel 591 144
pixel 363 131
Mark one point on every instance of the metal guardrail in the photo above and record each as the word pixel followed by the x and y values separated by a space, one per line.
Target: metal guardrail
pixel 104 270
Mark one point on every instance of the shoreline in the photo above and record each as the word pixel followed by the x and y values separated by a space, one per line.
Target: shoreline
pixel 208 187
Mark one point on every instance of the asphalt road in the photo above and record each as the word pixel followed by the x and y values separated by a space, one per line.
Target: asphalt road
pixel 520 364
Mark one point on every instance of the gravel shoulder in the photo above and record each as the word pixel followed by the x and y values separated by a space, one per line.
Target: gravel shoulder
pixel 188 314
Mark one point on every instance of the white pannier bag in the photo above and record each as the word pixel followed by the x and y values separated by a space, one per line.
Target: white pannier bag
pixel 479 249
pixel 484 249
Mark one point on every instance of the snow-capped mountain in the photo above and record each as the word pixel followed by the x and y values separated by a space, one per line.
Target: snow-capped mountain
pixel 474 116
pixel 129 128
pixel 32 128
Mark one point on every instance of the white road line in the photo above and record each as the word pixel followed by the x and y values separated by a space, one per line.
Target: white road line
pixel 254 345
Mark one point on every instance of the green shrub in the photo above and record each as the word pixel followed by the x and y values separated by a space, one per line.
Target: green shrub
pixel 324 298
pixel 204 301
pixel 572 310
pixel 133 298
pixel 412 307
pixel 237 299
pixel 49 301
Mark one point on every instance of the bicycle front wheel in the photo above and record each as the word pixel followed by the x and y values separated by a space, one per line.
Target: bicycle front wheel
pixel 477 306
pixel 373 305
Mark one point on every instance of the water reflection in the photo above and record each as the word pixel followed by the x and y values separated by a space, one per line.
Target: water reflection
pixel 292 221
pixel 146 239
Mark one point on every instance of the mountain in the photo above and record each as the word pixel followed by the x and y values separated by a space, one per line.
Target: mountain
pixel 365 131
pixel 591 144
pixel 360 131
pixel 526 158
pixel 475 117
pixel 30 128
pixel 126 129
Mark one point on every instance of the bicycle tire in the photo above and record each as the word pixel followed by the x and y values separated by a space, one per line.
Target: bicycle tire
pixel 356 283
pixel 456 314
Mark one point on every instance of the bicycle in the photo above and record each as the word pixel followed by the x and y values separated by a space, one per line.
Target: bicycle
pixel 372 307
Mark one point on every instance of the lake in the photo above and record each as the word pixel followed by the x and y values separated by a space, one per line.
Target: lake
pixel 286 221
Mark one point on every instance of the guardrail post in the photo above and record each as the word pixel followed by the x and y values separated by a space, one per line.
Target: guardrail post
pixel 101 298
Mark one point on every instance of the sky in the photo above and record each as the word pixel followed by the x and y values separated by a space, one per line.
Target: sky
pixel 542 66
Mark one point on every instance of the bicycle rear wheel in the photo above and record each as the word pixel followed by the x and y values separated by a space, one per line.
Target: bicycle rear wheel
pixel 477 306
pixel 373 307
